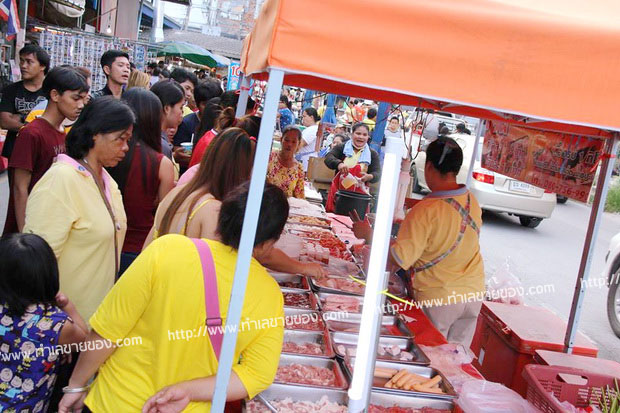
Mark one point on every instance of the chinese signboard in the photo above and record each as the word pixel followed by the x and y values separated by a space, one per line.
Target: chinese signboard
pixel 560 163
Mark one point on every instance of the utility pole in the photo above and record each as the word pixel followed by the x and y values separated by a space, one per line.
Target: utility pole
pixel 187 13
pixel 157 30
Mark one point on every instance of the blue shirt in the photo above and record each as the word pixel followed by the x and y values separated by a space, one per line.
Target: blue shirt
pixel 286 118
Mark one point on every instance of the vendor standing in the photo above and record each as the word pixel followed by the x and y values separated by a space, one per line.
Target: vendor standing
pixel 354 157
pixel 439 242
pixel 283 170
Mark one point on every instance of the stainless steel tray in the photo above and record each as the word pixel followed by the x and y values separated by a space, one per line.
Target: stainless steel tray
pixel 380 398
pixel 314 302
pixel 317 337
pixel 391 326
pixel 295 318
pixel 315 287
pixel 279 391
pixel 300 281
pixel 349 340
pixel 331 364
pixel 322 296
pixel 378 383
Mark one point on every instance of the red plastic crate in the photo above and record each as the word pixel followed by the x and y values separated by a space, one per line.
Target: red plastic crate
pixel 585 389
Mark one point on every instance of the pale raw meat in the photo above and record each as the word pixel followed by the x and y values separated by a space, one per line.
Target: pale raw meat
pixel 395 409
pixel 303 374
pixel 289 406
pixel 305 348
pixel 393 350
pixel 343 284
pixel 341 303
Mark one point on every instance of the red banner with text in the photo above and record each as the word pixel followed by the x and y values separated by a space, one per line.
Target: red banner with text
pixel 560 163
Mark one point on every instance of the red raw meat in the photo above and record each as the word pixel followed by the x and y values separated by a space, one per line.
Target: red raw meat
pixel 303 374
pixel 290 284
pixel 299 300
pixel 311 322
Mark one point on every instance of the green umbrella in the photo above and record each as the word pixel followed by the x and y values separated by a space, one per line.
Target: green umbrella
pixel 193 53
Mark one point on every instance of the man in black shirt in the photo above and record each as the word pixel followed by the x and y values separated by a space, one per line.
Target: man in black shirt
pixel 115 66
pixel 19 98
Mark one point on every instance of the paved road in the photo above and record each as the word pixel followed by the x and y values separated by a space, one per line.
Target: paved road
pixel 550 255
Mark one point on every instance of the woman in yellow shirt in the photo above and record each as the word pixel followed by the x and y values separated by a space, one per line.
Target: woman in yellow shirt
pixel 283 170
pixel 158 305
pixel 77 207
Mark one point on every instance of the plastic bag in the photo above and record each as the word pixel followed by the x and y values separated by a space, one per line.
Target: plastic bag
pixel 504 287
pixel 480 396
pixel 448 358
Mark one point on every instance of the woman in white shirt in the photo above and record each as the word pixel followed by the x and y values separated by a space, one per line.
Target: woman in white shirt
pixel 310 119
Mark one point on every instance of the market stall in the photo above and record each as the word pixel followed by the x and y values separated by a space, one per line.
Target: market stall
pixel 505 61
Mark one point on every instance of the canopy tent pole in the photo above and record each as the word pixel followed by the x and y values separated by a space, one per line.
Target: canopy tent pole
pixel 242 103
pixel 248 234
pixel 598 207
pixel 372 310
pixel 480 129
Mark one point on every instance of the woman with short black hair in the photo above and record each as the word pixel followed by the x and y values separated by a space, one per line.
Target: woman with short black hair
pixel 163 297
pixel 77 207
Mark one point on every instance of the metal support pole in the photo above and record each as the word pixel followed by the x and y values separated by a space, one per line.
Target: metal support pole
pixel 248 234
pixel 242 103
pixel 598 207
pixel 363 371
pixel 480 129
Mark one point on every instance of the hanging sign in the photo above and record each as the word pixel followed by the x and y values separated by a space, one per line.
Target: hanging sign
pixel 561 163
pixel 233 76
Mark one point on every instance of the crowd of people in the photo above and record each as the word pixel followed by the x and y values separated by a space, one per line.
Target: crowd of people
pixel 106 189
pixel 118 197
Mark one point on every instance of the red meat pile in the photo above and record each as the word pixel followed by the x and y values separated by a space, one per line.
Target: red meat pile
pixel 299 300
pixel 296 323
pixel 290 284
pixel 305 348
pixel 303 374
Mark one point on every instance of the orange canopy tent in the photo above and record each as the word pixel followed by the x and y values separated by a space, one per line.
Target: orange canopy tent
pixel 522 60
pixel 550 64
